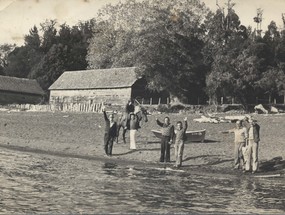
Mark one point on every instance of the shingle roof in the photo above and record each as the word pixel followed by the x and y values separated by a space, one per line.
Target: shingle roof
pixel 96 79
pixel 21 85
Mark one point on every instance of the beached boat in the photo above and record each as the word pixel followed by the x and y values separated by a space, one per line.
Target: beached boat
pixel 192 136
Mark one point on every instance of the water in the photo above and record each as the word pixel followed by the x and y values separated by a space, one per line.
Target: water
pixel 33 183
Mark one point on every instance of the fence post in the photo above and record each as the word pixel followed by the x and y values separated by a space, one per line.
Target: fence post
pixel 159 100
pixel 222 100
pixel 150 102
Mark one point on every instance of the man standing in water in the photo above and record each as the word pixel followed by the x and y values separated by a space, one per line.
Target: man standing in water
pixel 110 132
pixel 167 132
pixel 240 138
pixel 253 142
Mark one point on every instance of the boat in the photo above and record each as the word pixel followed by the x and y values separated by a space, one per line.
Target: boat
pixel 192 136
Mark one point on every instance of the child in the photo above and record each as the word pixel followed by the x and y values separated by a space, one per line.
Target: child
pixel 180 137
pixel 166 139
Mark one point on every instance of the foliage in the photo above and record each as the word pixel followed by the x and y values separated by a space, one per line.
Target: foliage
pixel 178 45
pixel 5 50
pixel 46 57
pixel 163 39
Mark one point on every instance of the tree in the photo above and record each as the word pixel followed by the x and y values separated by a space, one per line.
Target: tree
pixel 67 52
pixel 163 39
pixel 17 64
pixel 33 39
pixel 51 66
pixel 5 50
pixel 225 41
pixel 49 35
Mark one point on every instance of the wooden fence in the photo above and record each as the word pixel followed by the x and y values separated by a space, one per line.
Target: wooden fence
pixel 80 107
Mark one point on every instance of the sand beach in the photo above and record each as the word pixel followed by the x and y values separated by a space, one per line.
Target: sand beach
pixel 81 134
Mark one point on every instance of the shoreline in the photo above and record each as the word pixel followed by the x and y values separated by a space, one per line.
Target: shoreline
pixel 81 136
pixel 201 170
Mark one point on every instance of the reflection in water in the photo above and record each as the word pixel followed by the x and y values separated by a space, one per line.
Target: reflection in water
pixel 33 184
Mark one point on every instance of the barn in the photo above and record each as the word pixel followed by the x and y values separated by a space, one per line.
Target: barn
pixel 19 91
pixel 113 86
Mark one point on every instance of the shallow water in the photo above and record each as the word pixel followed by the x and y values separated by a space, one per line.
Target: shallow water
pixel 32 183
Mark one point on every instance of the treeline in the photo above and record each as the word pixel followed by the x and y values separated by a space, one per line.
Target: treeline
pixel 47 52
pixel 179 45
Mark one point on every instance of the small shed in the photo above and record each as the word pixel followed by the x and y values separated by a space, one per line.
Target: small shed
pixel 114 86
pixel 20 91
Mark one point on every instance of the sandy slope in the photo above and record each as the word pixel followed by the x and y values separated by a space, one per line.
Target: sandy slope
pixel 82 134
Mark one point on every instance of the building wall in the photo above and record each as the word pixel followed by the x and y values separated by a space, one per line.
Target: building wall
pixel 113 96
pixel 19 98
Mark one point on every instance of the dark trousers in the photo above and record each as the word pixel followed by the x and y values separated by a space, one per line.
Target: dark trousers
pixel 108 144
pixel 165 149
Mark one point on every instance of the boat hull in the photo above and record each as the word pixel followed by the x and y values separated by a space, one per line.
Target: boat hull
pixel 192 136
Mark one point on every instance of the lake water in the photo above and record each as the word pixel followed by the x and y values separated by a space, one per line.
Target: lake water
pixel 38 183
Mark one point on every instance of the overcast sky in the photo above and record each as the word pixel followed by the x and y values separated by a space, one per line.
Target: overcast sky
pixel 18 16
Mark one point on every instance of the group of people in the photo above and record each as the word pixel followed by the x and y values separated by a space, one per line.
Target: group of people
pixel 246 143
pixel 170 135
pixel 130 122
pixel 246 139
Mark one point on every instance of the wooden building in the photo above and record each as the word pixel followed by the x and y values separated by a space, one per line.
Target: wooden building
pixel 113 86
pixel 19 91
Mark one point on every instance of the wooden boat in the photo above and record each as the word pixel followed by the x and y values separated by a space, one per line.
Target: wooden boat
pixel 192 136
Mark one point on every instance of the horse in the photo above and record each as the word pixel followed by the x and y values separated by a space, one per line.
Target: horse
pixel 141 114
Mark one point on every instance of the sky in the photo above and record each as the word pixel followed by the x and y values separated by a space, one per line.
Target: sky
pixel 18 16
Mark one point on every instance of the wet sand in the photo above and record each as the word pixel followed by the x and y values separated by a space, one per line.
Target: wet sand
pixel 80 135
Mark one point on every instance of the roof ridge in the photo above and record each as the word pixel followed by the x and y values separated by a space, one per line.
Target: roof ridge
pixel 96 79
pixel 86 70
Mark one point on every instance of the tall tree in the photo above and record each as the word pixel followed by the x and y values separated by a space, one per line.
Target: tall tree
pixel 5 50
pixel 164 39
pixel 49 34
pixel 51 66
pixel 225 41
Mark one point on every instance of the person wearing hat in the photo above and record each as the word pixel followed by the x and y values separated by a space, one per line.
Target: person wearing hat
pixel 133 124
pixel 245 121
pixel 253 143
pixel 239 141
